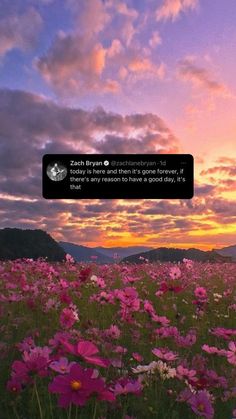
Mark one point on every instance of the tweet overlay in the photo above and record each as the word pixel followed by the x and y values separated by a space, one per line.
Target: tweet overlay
pixel 118 176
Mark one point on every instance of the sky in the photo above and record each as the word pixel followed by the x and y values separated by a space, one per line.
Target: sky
pixel 119 76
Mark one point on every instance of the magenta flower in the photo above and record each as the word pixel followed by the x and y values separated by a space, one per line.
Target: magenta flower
pixel 77 387
pixel 201 405
pixel 113 332
pixel 87 351
pixel 200 293
pixel 14 385
pixel 20 372
pixel 62 366
pixel 231 354
pixel 137 356
pixel 36 361
pixel 68 318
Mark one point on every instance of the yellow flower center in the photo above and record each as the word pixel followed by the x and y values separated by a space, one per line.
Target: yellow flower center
pixel 76 385
pixel 14 388
pixel 63 368
pixel 201 407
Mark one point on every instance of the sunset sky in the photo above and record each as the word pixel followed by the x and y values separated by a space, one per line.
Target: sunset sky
pixel 132 76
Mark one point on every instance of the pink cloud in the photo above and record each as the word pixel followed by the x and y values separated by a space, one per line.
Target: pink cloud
pixel 171 9
pixel 73 66
pixel 155 39
pixel 200 77
pixel 19 30
pixel 91 16
pixel 228 170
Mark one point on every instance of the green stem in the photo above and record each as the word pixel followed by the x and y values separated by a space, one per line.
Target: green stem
pixel 15 412
pixel 76 412
pixel 50 404
pixel 38 400
pixel 69 417
pixel 95 410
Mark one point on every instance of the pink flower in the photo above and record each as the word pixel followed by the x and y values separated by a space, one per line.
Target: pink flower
pixel 26 344
pixel 231 354
pixel 77 387
pixel 200 293
pixel 137 357
pixel 69 258
pixel 87 351
pixel 185 373
pixel 67 318
pixel 165 354
pixel 125 386
pixel 214 350
pixel 188 263
pixel 210 349
pixel 113 332
pixel 175 272
pixel 62 366
pixel 226 334
pixel 201 405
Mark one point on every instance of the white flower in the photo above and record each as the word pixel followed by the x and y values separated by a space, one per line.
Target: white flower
pixel 165 371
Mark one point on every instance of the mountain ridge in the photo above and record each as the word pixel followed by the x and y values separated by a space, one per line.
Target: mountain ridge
pixel 165 254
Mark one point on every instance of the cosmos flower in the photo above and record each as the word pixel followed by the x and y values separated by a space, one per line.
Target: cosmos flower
pixel 165 354
pixel 201 405
pixel 62 366
pixel 231 354
pixel 68 317
pixel 125 386
pixel 175 272
pixel 200 293
pixel 78 386
pixel 87 350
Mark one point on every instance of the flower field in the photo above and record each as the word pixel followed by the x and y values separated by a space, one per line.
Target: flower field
pixel 81 341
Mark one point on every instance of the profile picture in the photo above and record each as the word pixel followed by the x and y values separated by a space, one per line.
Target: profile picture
pixel 56 171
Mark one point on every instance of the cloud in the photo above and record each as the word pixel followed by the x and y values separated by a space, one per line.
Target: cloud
pixel 73 66
pixel 19 31
pixel 79 62
pixel 133 64
pixel 228 170
pixel 171 9
pixel 33 126
pixel 227 160
pixel 200 77
pixel 145 65
pixel 155 39
pixel 90 16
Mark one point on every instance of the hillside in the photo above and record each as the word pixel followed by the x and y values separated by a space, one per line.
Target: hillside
pixel 16 243
pixel 83 253
pixel 164 254
pixel 227 251
pixel 122 252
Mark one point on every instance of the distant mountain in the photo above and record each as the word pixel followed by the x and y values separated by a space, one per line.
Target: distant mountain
pixel 164 254
pixel 122 251
pixel 16 243
pixel 83 253
pixel 227 251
